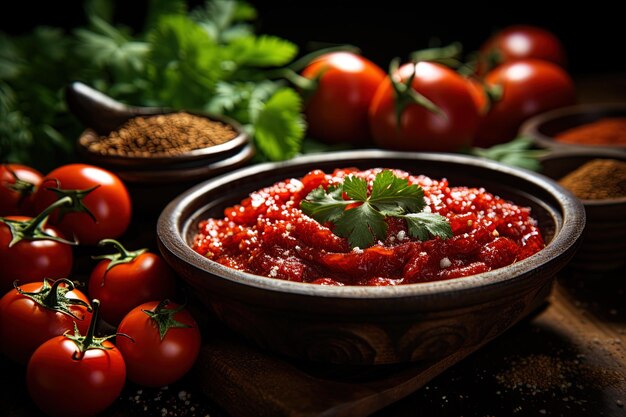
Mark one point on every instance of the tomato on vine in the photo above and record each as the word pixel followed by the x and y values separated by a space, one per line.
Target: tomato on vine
pixel 520 42
pixel 336 110
pixel 35 312
pixel 102 206
pixel 527 87
pixel 166 343
pixel 126 279
pixel 76 375
pixel 423 107
pixel 31 250
pixel 17 185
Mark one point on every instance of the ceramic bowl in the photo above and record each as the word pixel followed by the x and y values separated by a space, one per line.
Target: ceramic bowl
pixel 543 127
pixel 374 325
pixel 603 246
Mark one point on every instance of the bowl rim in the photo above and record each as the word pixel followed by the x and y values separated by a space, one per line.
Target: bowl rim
pixel 568 233
pixel 240 140
pixel 531 126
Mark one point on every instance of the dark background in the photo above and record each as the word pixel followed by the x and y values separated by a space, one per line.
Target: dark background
pixel 592 34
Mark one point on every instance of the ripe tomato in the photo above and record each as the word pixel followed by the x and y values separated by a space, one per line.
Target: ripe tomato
pixel 109 203
pixel 88 370
pixel 17 185
pixel 481 99
pixel 421 129
pixel 135 278
pixel 529 87
pixel 38 311
pixel 519 42
pixel 32 259
pixel 166 343
pixel 337 110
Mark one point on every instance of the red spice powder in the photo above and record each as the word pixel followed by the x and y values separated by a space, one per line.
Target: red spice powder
pixel 605 131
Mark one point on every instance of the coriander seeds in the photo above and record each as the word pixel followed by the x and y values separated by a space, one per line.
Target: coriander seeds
pixel 161 135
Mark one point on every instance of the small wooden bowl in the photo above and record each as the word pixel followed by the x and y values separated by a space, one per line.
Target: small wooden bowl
pixel 603 246
pixel 543 127
pixel 153 180
pixel 188 160
pixel 374 325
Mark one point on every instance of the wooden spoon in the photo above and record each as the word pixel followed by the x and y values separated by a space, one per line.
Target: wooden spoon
pixel 100 112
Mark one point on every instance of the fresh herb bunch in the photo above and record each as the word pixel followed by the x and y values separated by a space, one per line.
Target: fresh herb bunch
pixel 361 218
pixel 206 59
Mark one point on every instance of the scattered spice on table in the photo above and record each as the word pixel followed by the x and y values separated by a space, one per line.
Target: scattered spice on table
pixel 163 135
pixel 605 131
pixel 166 402
pixel 597 179
pixel 539 374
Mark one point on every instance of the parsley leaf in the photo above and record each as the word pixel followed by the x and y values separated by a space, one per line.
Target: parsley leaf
pixel 393 195
pixel 279 126
pixel 390 196
pixel 360 225
pixel 325 206
pixel 421 225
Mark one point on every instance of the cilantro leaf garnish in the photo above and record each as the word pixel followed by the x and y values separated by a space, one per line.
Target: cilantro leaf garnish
pixel 361 217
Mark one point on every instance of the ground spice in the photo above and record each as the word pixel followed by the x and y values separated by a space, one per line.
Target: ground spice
pixel 597 179
pixel 605 131
pixel 163 135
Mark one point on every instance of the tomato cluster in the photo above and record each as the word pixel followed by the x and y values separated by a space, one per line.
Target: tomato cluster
pixel 48 324
pixel 427 106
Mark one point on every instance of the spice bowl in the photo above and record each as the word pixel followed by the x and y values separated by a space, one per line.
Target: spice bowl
pixel 586 125
pixel 372 325
pixel 157 152
pixel 603 246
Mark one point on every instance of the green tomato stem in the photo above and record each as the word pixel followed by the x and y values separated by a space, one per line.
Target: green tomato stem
pixel 122 256
pixel 38 221
pixel 53 297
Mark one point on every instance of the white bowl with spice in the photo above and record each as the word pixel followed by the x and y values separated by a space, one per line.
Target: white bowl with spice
pixel 598 178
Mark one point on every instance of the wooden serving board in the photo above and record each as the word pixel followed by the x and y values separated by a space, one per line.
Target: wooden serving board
pixel 247 382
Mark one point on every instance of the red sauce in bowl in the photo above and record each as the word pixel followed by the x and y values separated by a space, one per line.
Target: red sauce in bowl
pixel 267 234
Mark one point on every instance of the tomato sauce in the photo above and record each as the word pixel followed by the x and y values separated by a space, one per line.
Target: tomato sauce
pixel 267 234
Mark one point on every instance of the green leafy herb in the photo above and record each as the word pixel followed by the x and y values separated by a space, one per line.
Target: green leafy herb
pixel 279 125
pixel 390 196
pixel 207 58
pixel 518 152
pixel 262 51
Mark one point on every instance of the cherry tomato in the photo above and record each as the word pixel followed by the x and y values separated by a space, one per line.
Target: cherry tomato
pixel 166 343
pixel 35 312
pixel 17 185
pixel 109 203
pixel 32 260
pixel 75 375
pixel 421 129
pixel 135 278
pixel 520 42
pixel 529 87
pixel 337 110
